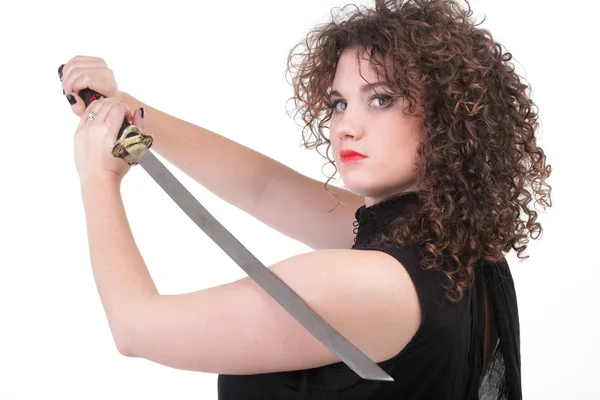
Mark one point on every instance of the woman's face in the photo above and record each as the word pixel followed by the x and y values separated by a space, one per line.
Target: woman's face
pixel 368 119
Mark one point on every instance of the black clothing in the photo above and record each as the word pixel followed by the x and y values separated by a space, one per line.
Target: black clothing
pixel 444 359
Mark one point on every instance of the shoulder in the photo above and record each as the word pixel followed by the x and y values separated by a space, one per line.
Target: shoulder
pixel 367 293
pixel 368 272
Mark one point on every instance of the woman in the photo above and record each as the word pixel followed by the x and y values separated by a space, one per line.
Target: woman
pixel 432 133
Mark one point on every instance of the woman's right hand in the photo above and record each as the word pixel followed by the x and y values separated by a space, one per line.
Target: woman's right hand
pixel 83 72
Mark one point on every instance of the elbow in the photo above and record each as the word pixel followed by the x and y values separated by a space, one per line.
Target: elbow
pixel 126 329
pixel 123 338
pixel 124 350
pixel 130 329
pixel 123 344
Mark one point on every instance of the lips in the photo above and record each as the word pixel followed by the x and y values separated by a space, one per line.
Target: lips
pixel 351 156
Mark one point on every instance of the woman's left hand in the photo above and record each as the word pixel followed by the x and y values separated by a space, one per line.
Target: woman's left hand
pixel 94 139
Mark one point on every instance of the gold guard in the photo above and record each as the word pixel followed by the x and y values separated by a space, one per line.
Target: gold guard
pixel 134 144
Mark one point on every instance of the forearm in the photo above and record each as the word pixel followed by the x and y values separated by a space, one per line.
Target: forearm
pixel 233 172
pixel 121 276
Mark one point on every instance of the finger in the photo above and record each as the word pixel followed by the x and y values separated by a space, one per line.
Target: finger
pixel 84 116
pixel 111 106
pixel 86 61
pixel 138 119
pixel 117 112
pixel 128 112
pixel 70 73
pixel 100 81
pixel 102 109
pixel 95 108
pixel 114 119
pixel 81 57
pixel 81 78
pixel 76 63
pixel 129 115
pixel 77 103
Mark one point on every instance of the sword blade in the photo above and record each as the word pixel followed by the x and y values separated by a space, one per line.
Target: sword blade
pixel 267 280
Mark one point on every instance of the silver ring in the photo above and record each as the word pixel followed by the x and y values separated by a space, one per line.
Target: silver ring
pixel 91 116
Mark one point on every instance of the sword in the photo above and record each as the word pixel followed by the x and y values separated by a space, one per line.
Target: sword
pixel 133 146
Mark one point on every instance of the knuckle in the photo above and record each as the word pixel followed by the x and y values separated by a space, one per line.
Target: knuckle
pixel 80 78
pixel 74 71
pixel 66 71
pixel 68 82
pixel 72 60
pixel 75 61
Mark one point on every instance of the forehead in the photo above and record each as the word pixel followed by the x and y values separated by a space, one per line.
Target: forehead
pixel 355 65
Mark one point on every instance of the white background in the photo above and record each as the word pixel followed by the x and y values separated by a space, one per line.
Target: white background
pixel 221 65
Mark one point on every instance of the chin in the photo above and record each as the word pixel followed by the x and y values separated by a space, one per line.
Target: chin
pixel 369 188
pixel 361 188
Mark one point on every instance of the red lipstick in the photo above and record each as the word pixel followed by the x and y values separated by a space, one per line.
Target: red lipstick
pixel 348 156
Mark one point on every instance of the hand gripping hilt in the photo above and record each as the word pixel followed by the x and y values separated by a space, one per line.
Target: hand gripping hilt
pixel 131 140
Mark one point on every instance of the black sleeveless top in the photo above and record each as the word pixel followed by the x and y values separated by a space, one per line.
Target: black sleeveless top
pixel 444 360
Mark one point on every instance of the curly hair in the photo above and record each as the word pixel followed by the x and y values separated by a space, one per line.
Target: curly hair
pixel 479 169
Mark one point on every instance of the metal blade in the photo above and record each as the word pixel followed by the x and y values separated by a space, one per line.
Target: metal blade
pixel 283 294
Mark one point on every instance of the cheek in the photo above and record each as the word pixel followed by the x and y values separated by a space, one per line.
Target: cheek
pixel 401 153
pixel 335 146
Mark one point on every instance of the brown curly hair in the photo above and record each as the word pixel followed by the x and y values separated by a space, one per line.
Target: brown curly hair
pixel 479 167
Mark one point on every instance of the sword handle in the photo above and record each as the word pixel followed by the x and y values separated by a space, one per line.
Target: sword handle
pixel 89 95
pixel 134 136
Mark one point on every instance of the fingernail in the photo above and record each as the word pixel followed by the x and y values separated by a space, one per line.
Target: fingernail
pixel 63 92
pixel 71 99
pixel 60 71
pixel 142 112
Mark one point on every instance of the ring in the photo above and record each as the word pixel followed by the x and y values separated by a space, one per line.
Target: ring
pixel 91 115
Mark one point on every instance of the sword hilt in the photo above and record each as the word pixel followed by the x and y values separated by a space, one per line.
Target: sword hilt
pixel 132 144
pixel 130 138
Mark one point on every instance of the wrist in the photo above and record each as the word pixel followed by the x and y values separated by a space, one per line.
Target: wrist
pixel 111 181
pixel 128 99
pixel 123 96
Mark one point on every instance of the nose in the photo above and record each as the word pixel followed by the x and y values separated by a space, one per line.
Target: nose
pixel 348 125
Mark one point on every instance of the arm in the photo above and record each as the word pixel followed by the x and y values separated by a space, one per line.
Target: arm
pixel 287 201
pixel 121 276
pixel 237 328
pixel 209 158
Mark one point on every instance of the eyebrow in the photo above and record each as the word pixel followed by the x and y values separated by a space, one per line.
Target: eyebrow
pixel 364 88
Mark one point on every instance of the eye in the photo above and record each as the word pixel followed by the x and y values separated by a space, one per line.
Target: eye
pixel 338 106
pixel 382 101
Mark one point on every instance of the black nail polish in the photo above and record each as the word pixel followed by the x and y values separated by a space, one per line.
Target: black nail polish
pixel 71 99
pixel 60 71
pixel 142 112
pixel 63 92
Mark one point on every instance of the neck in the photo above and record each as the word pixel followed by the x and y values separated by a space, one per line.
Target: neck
pixel 376 219
pixel 369 201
